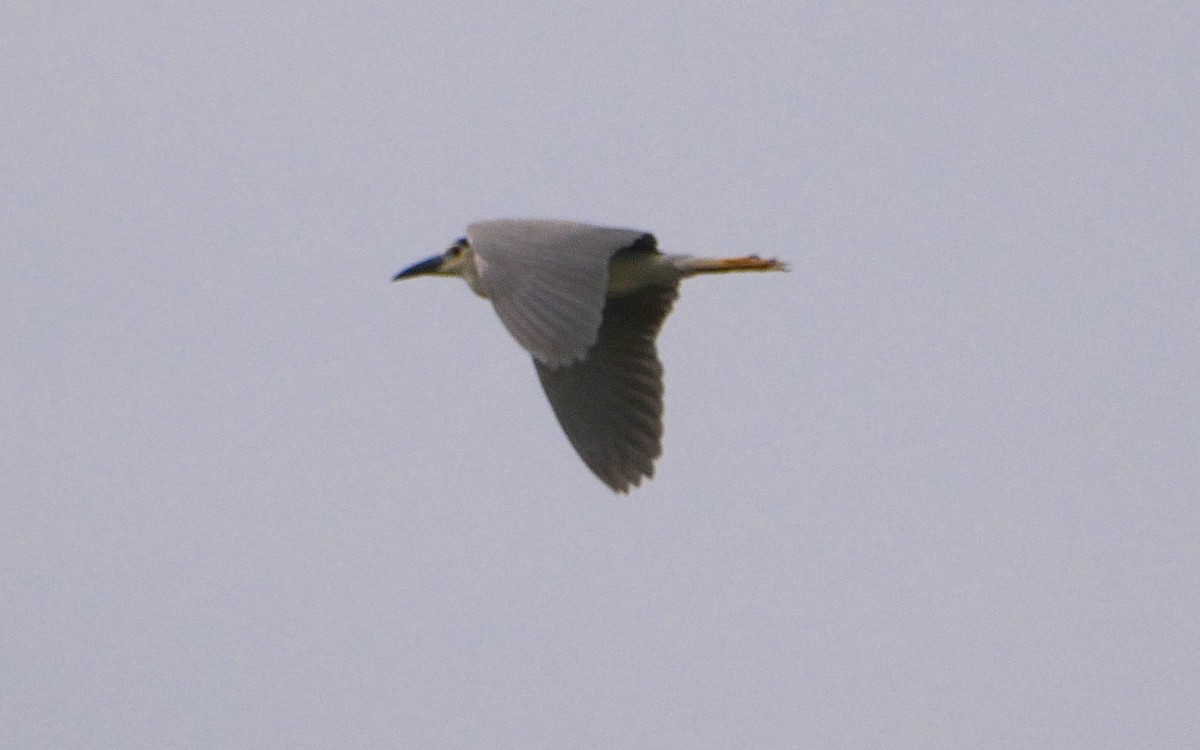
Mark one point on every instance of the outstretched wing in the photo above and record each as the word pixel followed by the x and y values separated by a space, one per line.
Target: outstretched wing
pixel 548 281
pixel 610 403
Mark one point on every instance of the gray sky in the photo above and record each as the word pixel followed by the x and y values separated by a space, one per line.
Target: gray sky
pixel 937 487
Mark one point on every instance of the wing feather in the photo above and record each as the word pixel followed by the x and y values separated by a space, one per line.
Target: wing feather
pixel 548 281
pixel 610 403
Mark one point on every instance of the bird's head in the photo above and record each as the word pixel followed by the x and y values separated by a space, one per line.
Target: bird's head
pixel 456 261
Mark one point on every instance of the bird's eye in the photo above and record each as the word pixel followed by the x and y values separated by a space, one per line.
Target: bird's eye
pixel 456 249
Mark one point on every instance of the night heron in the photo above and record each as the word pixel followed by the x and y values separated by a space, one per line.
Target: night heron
pixel 586 302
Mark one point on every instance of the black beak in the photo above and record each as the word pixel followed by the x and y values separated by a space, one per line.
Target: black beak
pixel 430 265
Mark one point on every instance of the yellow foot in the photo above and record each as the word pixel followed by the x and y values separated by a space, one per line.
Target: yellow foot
pixel 745 263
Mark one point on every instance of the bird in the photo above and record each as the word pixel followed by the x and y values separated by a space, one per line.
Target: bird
pixel 587 303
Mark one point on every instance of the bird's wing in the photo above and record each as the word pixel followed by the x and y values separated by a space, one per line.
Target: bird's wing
pixel 610 404
pixel 548 281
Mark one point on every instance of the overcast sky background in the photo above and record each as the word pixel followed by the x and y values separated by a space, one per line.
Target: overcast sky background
pixel 937 487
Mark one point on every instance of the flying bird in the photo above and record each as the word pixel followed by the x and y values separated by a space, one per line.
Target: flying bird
pixel 587 302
